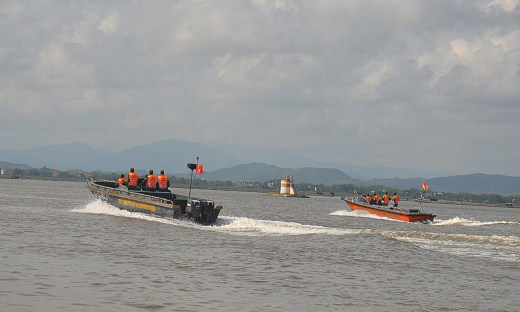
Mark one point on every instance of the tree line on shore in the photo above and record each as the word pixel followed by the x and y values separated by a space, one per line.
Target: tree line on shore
pixel 273 186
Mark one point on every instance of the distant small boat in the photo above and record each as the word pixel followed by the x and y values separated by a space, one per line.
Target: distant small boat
pixel 408 215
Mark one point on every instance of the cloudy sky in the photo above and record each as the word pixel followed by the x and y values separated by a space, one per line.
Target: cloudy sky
pixel 429 85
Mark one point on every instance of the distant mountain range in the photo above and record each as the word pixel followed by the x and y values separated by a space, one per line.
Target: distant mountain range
pixel 170 155
pixel 472 183
pixel 173 155
pixel 260 172
pixel 9 165
pixel 476 183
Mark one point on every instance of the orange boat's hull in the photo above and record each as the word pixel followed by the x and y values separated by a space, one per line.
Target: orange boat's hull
pixel 393 213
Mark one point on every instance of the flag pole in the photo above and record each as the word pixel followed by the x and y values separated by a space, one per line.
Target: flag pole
pixel 191 179
pixel 424 187
pixel 420 202
pixel 192 167
pixel 192 176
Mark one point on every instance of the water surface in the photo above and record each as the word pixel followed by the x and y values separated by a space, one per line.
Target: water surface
pixel 62 250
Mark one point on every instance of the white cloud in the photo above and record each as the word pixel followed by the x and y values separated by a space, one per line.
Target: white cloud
pixel 341 81
pixel 109 25
pixel 504 5
pixel 373 76
pixel 11 9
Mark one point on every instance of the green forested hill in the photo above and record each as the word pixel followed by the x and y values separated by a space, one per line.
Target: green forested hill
pixel 4 164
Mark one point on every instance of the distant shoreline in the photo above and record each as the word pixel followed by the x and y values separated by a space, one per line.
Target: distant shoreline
pixel 451 202
pixel 442 202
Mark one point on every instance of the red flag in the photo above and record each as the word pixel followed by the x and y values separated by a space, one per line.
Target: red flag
pixel 199 170
pixel 424 186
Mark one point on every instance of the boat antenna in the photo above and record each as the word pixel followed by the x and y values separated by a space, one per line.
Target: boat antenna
pixel 192 167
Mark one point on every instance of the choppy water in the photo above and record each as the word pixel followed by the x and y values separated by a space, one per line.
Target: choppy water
pixel 61 250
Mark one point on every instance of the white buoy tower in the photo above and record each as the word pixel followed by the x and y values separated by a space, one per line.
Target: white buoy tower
pixel 286 185
pixel 287 188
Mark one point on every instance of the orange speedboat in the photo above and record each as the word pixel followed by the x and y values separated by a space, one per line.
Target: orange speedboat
pixel 408 215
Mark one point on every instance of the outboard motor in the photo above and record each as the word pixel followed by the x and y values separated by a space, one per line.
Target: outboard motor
pixel 193 208
pixel 208 215
pixel 203 211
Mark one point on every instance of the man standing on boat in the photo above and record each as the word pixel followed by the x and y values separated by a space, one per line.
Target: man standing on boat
pixel 368 199
pixel 386 199
pixel 150 181
pixel 121 181
pixel 132 180
pixel 376 199
pixel 163 181
pixel 395 199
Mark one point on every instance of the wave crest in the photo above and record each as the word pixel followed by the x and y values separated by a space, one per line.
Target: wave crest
pixel 458 221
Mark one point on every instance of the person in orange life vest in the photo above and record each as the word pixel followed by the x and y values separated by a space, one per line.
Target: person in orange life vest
pixel 386 199
pixel 163 181
pixel 376 199
pixel 368 198
pixel 131 181
pixel 150 181
pixel 395 199
pixel 121 181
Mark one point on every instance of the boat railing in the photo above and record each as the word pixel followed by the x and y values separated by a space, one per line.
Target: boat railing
pixel 127 192
pixel 362 200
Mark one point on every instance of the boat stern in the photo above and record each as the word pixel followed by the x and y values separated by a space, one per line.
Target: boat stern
pixel 203 211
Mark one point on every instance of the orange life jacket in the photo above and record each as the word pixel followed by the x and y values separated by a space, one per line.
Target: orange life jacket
pixel 133 177
pixel 386 199
pixel 396 199
pixel 163 182
pixel 368 199
pixel 152 182
pixel 376 199
pixel 121 181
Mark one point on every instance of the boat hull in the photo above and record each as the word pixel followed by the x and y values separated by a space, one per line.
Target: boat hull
pixel 161 204
pixel 390 212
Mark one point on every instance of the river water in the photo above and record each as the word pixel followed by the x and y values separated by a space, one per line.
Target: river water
pixel 61 250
